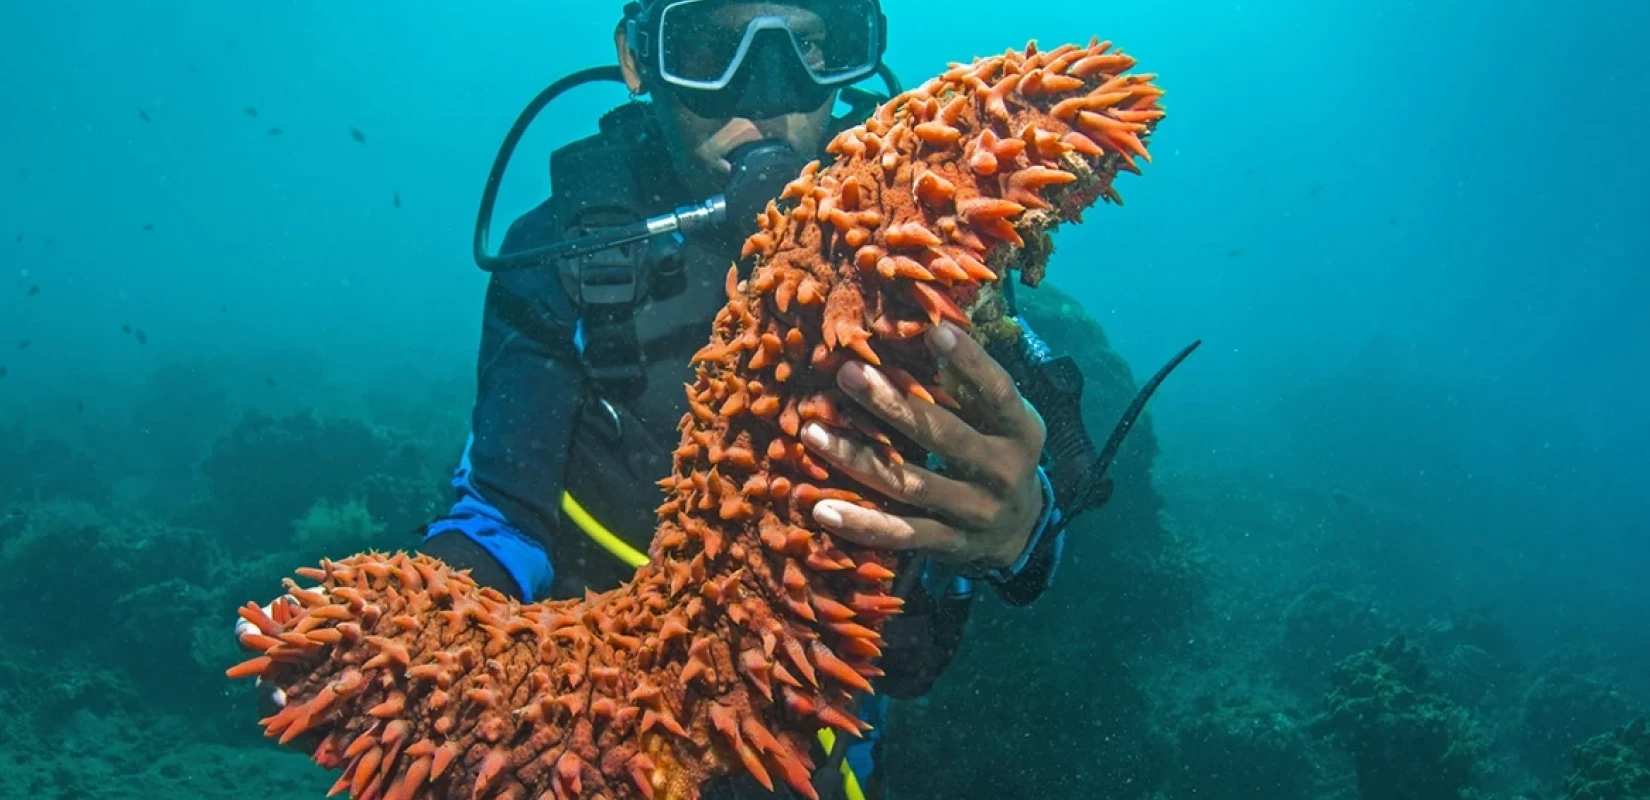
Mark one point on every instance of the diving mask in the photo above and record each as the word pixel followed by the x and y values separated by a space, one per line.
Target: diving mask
pixel 727 58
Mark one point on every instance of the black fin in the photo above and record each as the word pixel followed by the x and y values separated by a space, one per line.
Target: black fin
pixel 1054 386
pixel 1057 395
pixel 1099 493
pixel 1097 489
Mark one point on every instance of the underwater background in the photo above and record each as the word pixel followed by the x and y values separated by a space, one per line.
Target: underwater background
pixel 1383 536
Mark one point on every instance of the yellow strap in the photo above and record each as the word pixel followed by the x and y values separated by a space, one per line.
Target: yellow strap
pixel 850 781
pixel 599 532
pixel 636 558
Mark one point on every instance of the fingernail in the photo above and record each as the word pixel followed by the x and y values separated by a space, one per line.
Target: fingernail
pixel 943 337
pixel 816 435
pixel 827 514
pixel 852 375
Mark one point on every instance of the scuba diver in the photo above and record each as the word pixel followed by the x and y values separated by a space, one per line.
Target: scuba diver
pixel 600 295
pixel 583 354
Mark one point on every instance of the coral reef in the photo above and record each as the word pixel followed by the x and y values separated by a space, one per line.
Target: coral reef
pixel 35 700
pixel 72 566
pixel 748 629
pixel 1612 766
pixel 342 527
pixel 181 408
pixel 39 468
pixel 125 594
pixel 267 472
pixel 1241 748
pixel 1323 626
pixel 1477 660
pixel 125 612
pixel 1562 708
pixel 92 753
pixel 1407 740
pixel 972 736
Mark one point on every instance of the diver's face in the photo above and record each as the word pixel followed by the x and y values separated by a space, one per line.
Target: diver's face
pixel 700 145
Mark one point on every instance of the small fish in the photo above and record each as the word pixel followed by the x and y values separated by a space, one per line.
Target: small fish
pixel 23 345
pixel 252 112
pixel 223 309
pixel 141 339
pixel 397 198
pixel 48 242
pixel 148 226
pixel 1316 189
pixel 19 238
pixel 274 131
pixel 80 405
pixel 2 370
pixel 143 115
pixel 1341 497
pixel 270 382
pixel 357 135
pixel 126 329
pixel 1234 252
pixel 34 290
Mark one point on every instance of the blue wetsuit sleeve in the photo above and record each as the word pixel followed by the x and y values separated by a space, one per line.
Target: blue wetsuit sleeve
pixel 522 557
pixel 529 383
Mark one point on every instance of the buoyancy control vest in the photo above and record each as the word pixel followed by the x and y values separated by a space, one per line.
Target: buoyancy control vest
pixel 640 312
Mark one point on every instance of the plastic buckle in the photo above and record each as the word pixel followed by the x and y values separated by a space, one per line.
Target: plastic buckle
pixel 608 280
pixel 612 356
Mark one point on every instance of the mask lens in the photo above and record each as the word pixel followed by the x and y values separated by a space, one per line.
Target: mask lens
pixel 697 41
pixel 702 43
pixel 837 39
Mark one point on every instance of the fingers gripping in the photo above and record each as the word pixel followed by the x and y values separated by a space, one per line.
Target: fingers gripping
pixel 1000 403
pixel 933 428
pixel 909 484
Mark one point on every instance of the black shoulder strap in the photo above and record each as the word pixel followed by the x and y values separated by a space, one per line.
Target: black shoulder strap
pixel 601 173
pixel 597 184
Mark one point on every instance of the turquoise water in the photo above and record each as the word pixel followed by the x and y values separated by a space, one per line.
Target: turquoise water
pixel 1411 236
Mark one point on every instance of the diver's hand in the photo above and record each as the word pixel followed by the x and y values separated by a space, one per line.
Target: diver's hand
pixel 254 640
pixel 986 505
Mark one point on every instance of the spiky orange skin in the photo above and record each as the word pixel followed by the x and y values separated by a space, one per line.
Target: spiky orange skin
pixel 750 628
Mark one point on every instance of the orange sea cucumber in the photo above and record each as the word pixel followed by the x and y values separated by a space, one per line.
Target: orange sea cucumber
pixel 749 628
